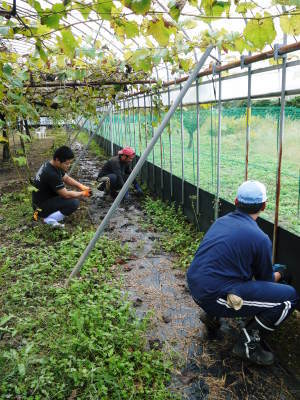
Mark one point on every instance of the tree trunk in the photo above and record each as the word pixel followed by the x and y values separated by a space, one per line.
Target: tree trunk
pixel 21 139
pixel 6 152
pixel 27 128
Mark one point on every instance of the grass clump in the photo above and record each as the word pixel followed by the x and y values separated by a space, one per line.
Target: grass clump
pixel 180 237
pixel 83 342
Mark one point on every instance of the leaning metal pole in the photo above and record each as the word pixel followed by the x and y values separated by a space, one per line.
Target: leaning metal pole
pixel 138 166
pixel 90 140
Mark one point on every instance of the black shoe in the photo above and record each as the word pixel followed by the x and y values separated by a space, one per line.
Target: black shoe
pixel 248 347
pixel 101 187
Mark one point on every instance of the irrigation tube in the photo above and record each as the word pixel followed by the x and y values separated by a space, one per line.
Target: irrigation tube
pixel 138 166
pixel 90 140
pixel 281 132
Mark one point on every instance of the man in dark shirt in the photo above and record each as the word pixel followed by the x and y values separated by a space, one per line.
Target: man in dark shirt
pixel 115 171
pixel 232 275
pixel 52 201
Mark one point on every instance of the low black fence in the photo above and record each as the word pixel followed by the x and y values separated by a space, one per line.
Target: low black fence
pixel 159 182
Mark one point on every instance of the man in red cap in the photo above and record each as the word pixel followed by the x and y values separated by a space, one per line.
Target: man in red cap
pixel 115 171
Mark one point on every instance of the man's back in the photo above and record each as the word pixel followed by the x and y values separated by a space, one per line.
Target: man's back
pixel 234 249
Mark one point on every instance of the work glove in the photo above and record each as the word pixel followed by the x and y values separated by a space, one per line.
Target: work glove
pixel 83 187
pixel 138 189
pixel 87 193
pixel 282 269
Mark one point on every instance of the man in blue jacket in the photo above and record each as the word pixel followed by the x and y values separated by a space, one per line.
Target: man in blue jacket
pixel 232 274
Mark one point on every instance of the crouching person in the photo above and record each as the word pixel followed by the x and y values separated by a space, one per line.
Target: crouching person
pixel 115 172
pixel 220 278
pixel 52 201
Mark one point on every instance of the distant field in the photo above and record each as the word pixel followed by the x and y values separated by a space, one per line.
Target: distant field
pixel 262 154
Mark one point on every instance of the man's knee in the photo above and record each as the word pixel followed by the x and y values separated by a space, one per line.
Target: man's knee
pixel 291 295
pixel 71 206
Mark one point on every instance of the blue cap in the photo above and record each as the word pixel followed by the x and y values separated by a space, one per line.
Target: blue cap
pixel 252 192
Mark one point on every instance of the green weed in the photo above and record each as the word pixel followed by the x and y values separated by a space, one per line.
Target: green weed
pixel 180 236
pixel 83 342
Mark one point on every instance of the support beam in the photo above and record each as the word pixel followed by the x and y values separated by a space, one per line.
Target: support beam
pixel 138 166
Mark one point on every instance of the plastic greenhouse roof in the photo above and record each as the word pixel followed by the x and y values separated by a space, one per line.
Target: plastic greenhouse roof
pixel 94 28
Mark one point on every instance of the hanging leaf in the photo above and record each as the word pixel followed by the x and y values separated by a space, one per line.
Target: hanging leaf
pixel 189 24
pixel 7 69
pixel 242 8
pixel 290 24
pixel 103 8
pixel 3 139
pixel 85 12
pixel 260 32
pixel 51 20
pixel 160 32
pixel 140 7
pixel 41 51
pixel 68 42
pixel 185 64
pixel 131 29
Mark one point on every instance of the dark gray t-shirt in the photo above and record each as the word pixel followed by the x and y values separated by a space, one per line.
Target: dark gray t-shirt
pixel 48 181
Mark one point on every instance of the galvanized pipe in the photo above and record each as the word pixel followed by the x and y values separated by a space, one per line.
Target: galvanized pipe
pixel 219 145
pixel 182 151
pixel 138 166
pixel 248 119
pixel 78 132
pixel 198 144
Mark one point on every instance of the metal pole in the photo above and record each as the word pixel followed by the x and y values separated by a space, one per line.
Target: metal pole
pixel 138 166
pixel 281 133
pixel 89 141
pixel 170 144
pixel 153 156
pixel 78 132
pixel 134 132
pixel 139 125
pixel 182 151
pixel 198 144
pixel 248 119
pixel 111 132
pixel 219 145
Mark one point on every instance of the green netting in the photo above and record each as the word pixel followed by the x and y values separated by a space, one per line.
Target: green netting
pixel 134 127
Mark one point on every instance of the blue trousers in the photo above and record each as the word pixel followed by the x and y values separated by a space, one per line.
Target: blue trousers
pixel 269 303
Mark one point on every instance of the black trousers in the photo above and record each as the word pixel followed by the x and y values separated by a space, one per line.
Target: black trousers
pixel 57 203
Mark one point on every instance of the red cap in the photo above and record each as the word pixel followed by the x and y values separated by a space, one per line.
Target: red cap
pixel 127 151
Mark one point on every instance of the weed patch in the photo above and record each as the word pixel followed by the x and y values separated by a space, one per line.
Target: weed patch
pixel 181 237
pixel 83 342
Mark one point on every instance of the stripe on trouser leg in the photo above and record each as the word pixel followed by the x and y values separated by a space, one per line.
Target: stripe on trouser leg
pixel 223 302
pixel 263 325
pixel 284 312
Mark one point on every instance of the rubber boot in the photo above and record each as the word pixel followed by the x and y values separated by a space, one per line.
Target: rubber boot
pixel 104 184
pixel 248 346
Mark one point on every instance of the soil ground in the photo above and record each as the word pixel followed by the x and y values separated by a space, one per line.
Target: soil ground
pixel 203 366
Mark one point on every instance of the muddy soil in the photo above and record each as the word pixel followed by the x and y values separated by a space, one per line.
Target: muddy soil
pixel 204 367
